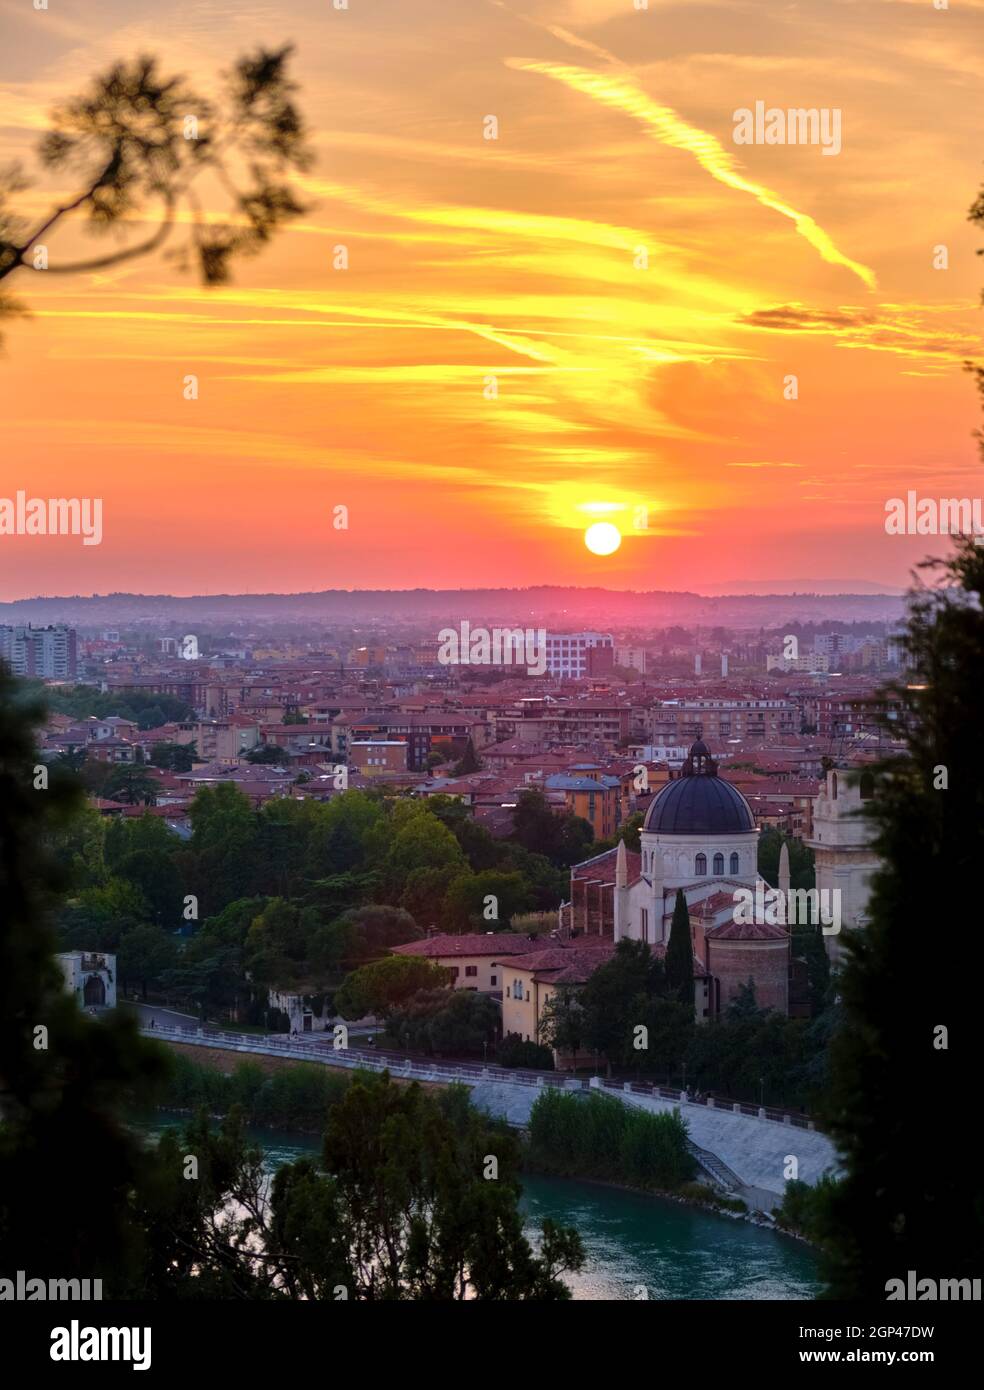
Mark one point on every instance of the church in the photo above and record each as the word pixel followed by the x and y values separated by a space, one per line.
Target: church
pixel 699 836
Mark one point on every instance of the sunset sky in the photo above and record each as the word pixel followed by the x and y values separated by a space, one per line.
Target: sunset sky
pixel 622 389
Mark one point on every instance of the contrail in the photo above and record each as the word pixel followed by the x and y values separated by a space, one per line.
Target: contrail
pixel 667 126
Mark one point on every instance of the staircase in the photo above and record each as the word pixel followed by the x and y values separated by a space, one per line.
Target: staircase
pixel 719 1173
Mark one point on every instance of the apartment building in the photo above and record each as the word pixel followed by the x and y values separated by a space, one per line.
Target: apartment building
pixel 47 652
pixel 574 655
pixel 677 721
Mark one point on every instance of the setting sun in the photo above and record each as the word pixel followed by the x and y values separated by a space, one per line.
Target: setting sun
pixel 603 538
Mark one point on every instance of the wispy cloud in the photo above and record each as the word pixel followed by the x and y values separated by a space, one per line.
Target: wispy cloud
pixel 669 128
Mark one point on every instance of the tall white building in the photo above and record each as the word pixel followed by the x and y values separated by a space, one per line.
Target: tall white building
pixel 567 652
pixel 841 847
pixel 49 652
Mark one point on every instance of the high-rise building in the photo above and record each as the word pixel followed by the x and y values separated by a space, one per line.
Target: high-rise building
pixel 569 653
pixel 50 652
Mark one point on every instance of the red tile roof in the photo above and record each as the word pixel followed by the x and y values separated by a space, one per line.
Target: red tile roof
pixel 469 944
pixel 746 931
pixel 602 867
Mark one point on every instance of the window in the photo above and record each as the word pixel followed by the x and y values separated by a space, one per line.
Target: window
pixel 734 864
pixel 471 970
pixel 719 863
pixel 833 786
pixel 495 980
pixel 867 786
pixel 454 971
pixel 700 864
pixel 644 922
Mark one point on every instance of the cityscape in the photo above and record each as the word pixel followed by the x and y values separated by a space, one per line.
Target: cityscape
pixel 491 651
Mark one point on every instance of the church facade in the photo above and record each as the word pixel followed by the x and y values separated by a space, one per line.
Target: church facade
pixel 698 837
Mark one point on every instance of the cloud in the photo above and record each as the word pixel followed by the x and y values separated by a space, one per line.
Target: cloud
pixel 669 128
pixel 896 328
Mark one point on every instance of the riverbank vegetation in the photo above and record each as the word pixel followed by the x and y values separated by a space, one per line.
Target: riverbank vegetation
pixel 594 1136
pixel 293 1097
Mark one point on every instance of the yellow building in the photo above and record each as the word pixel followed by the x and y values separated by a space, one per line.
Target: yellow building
pixel 530 980
pixel 598 800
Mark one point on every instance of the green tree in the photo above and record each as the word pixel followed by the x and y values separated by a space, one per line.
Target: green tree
pixel 384 985
pixel 801 867
pixel 744 1003
pixel 267 753
pixel 144 955
pixel 174 757
pixel 680 953
pixel 445 1021
pixel 466 902
pixel 469 762
pixel 154 873
pixel 371 930
pixel 562 1022
pixel 126 143
pixel 617 1000
pixel 423 1221
pixel 131 784
pixel 223 845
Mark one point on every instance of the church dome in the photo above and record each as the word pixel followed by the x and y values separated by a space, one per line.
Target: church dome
pixel 699 805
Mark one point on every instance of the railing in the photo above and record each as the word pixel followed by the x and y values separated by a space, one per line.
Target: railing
pixel 737 1107
pixel 300 1048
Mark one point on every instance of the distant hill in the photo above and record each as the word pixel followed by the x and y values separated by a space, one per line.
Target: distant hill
pixel 553 605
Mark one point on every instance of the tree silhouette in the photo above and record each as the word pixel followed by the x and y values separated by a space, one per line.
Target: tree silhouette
pixel 141 145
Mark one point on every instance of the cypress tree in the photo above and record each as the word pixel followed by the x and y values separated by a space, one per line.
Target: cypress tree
pixel 680 953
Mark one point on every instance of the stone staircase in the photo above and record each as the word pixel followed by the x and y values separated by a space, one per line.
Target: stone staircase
pixel 719 1173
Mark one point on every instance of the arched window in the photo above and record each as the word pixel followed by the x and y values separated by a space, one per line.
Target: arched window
pixel 700 864
pixel 833 786
pixel 867 786
pixel 734 864
pixel 719 863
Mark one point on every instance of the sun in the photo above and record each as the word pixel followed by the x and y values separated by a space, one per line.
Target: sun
pixel 602 538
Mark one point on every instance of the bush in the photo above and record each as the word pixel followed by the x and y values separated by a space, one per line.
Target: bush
pixel 514 1052
pixel 596 1136
pixel 295 1098
pixel 804 1209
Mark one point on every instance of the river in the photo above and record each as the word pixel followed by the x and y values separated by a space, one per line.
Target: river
pixel 637 1246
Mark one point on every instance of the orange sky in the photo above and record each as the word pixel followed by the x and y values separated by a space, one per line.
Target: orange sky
pixel 656 388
